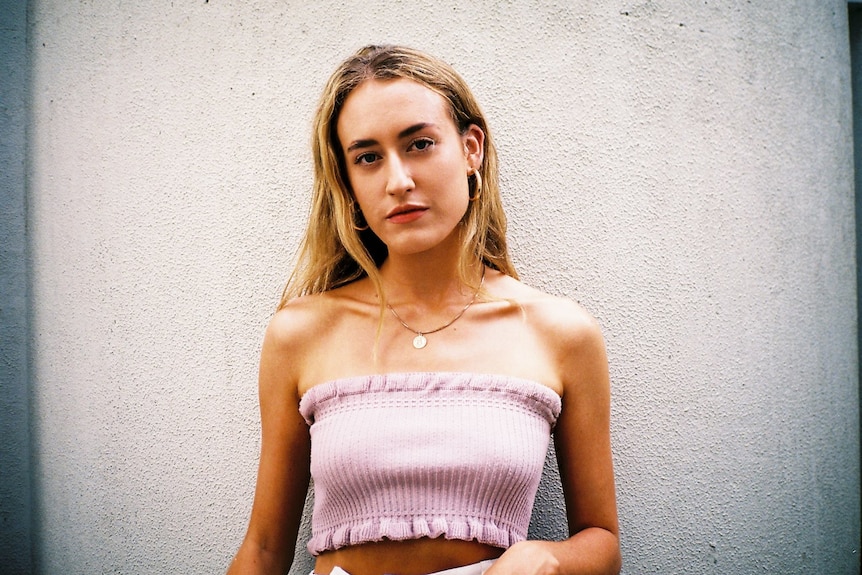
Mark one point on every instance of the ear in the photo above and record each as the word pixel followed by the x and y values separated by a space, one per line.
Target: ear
pixel 474 146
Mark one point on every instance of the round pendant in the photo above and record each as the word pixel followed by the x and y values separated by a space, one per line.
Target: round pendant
pixel 419 341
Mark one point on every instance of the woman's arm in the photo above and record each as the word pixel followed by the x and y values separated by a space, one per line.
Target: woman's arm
pixel 283 472
pixel 582 441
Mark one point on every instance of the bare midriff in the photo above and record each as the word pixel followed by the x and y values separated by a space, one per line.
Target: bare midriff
pixel 413 557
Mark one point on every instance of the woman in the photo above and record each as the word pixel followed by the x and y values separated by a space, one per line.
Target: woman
pixel 408 370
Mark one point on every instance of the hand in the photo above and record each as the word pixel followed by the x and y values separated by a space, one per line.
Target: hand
pixel 527 558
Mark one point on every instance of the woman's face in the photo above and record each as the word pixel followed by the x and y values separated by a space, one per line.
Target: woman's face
pixel 406 163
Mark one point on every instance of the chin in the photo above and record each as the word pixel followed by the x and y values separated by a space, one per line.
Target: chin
pixel 411 244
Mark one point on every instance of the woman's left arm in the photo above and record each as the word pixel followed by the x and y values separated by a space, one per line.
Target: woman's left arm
pixel 583 446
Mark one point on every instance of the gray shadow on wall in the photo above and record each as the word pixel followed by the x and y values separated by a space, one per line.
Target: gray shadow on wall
pixel 16 549
pixel 855 18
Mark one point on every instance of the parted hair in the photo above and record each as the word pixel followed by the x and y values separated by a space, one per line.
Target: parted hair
pixel 333 252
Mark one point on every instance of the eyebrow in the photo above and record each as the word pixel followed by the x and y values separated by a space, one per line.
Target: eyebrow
pixel 357 144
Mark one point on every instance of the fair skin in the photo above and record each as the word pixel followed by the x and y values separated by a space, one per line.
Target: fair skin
pixel 407 165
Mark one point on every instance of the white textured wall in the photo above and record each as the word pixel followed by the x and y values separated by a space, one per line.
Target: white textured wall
pixel 682 168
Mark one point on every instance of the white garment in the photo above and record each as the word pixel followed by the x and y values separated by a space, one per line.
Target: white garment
pixel 472 569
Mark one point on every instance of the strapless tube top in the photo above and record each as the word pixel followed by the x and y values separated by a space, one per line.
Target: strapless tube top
pixel 411 455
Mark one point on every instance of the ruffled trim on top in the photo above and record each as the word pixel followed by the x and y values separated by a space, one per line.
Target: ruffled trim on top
pixel 541 397
pixel 400 529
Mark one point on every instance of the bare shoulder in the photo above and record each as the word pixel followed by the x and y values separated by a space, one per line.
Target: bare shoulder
pixel 569 334
pixel 303 335
pixel 308 314
pixel 287 330
pixel 290 323
pixel 287 348
pixel 561 319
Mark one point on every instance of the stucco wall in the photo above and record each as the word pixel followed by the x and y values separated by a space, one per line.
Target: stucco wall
pixel 684 169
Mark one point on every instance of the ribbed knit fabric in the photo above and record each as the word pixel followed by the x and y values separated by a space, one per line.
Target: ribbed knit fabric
pixel 409 455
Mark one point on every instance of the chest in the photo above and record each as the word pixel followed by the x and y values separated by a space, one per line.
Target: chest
pixel 482 341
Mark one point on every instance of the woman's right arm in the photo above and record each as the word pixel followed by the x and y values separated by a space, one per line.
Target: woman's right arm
pixel 283 471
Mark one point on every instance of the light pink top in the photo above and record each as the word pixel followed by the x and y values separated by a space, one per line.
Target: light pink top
pixel 410 455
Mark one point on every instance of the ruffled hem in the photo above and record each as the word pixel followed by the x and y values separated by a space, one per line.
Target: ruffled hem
pixel 398 529
pixel 540 397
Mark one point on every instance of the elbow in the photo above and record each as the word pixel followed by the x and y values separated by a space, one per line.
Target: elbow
pixel 616 563
pixel 615 556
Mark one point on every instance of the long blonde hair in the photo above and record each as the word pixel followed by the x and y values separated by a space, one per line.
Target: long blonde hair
pixel 333 252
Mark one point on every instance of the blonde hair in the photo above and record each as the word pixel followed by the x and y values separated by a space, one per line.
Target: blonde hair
pixel 333 252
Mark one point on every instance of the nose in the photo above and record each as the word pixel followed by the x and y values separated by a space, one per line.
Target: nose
pixel 399 180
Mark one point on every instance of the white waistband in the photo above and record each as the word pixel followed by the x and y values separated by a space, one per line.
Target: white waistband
pixel 472 569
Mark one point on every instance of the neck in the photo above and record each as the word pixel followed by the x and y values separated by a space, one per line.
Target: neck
pixel 427 280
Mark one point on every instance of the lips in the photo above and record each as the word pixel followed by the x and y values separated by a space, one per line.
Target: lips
pixel 405 213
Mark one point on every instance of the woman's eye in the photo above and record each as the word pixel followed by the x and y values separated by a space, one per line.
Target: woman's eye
pixel 365 159
pixel 422 144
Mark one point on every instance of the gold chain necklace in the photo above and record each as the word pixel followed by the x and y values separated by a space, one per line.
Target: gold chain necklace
pixel 420 340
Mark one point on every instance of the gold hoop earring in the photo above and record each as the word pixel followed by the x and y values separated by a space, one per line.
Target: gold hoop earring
pixel 354 211
pixel 475 196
